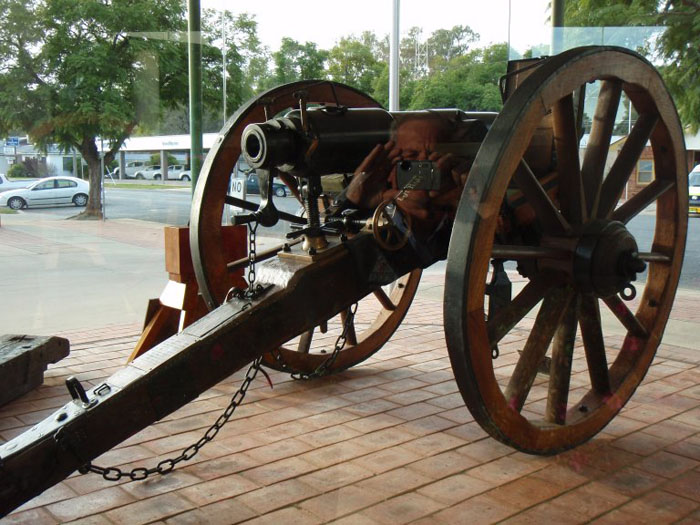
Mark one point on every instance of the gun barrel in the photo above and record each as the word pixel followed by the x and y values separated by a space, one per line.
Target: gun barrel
pixel 323 141
pixel 330 140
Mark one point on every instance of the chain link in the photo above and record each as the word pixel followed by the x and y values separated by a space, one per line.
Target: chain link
pixel 322 369
pixel 168 465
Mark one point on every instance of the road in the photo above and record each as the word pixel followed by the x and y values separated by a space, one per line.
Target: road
pixel 172 206
pixel 168 206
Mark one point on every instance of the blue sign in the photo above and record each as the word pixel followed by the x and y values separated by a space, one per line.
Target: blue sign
pixel 12 141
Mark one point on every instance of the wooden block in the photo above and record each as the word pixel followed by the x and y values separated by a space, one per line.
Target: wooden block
pixel 178 257
pixel 23 360
pixel 178 261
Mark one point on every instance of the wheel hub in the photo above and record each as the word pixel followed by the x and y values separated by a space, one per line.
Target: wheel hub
pixel 606 259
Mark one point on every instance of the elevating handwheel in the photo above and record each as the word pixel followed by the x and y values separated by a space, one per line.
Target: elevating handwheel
pixel 523 373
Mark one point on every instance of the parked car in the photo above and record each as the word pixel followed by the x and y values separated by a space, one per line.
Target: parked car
pixel 694 190
pixel 13 184
pixel 48 192
pixel 252 186
pixel 130 169
pixel 149 172
pixel 179 171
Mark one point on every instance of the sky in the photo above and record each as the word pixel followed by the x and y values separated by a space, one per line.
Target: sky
pixel 325 21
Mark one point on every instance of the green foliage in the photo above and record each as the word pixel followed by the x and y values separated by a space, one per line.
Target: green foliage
pixel 678 47
pixel 602 13
pixel 232 39
pixel 681 49
pixel 468 82
pixel 154 160
pixel 352 61
pixel 295 61
pixel 19 170
pixel 74 70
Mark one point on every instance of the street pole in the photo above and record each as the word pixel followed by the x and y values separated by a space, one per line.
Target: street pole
pixel 223 56
pixel 102 176
pixel 394 59
pixel 510 8
pixel 194 40
pixel 557 25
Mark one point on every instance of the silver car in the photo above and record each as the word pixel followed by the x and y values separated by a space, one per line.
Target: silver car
pixel 50 191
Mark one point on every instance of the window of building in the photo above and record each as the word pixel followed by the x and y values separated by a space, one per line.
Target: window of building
pixel 645 171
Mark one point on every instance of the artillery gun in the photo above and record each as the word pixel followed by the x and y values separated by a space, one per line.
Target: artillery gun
pixel 527 199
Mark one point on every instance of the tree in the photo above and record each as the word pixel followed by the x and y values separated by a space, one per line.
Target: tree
pixel 468 82
pixel 77 71
pixel 680 48
pixel 237 36
pixel 445 44
pixel 353 61
pixel 295 61
pixel 602 13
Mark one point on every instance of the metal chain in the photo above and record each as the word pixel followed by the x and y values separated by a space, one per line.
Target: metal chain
pixel 322 369
pixel 167 465
pixel 252 258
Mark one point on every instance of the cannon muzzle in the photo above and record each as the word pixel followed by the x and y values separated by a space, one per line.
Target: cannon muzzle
pixel 319 141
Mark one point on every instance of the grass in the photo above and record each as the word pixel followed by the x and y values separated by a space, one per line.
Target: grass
pixel 7 211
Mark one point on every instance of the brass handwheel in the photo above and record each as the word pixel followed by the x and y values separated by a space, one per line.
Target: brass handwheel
pixel 390 227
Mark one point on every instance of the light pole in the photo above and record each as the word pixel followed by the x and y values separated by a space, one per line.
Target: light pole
pixel 394 59
pixel 223 57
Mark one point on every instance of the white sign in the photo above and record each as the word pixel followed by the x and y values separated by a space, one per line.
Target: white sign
pixel 236 188
pixel 9 150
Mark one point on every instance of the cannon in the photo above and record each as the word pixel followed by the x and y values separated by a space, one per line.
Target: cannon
pixel 528 200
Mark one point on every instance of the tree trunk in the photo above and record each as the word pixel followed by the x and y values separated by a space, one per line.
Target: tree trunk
pixel 88 149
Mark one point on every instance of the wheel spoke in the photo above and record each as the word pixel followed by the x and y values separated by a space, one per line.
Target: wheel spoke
pixel 569 170
pixel 549 317
pixel 504 321
pixel 625 163
pixel 599 140
pixel 547 214
pixel 560 370
pixel 625 316
pixel 593 343
pixel 384 300
pixel 350 334
pixel 305 340
pixel 630 209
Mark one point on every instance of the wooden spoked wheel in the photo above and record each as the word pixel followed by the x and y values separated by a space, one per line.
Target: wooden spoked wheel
pixel 376 319
pixel 206 237
pixel 576 265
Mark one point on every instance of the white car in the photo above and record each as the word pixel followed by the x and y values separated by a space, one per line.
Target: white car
pixel 693 190
pixel 179 172
pixel 130 169
pixel 149 172
pixel 48 192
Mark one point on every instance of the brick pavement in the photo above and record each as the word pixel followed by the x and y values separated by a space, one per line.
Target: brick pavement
pixel 386 442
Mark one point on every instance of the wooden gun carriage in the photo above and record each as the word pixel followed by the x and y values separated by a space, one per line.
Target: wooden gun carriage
pixel 567 234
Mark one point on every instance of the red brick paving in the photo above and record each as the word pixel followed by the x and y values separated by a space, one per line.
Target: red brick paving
pixel 386 442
